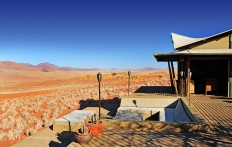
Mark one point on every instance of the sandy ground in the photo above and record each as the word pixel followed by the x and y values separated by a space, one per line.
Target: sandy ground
pixel 31 100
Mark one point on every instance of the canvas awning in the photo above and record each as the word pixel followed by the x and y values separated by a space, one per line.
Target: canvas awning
pixel 180 41
pixel 174 56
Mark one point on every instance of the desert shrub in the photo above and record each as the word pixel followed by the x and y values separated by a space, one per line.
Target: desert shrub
pixel 46 123
pixel 4 114
pixel 69 106
pixel 25 114
pixel 38 125
pixel 2 135
pixel 52 104
pixel 52 120
pixel 4 124
pixel 63 107
pixel 14 112
pixel 24 124
pixel 30 131
pixel 45 116
pixel 45 70
pixel 10 135
pixel 121 94
pixel 113 74
pixel 60 110
pixel 11 118
pixel 55 114
pixel 39 103
pixel 75 104
pixel 37 109
pixel 3 108
pixel 31 120
pixel 47 111
pixel 19 126
pixel 27 132
pixel 11 121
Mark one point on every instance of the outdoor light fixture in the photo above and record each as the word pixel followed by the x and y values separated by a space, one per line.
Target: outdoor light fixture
pixel 99 77
pixel 181 73
pixel 190 75
pixel 129 73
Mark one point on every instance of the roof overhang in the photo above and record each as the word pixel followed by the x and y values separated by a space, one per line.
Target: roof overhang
pixel 175 56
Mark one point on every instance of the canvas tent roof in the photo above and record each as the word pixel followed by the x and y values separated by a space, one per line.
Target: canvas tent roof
pixel 199 52
pixel 181 41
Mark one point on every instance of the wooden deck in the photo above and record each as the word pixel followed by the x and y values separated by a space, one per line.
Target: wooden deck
pixel 47 137
pixel 216 111
pixel 122 138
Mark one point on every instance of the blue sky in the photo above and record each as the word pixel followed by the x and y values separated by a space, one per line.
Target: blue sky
pixel 104 34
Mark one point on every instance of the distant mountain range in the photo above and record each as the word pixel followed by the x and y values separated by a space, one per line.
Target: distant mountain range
pixel 49 67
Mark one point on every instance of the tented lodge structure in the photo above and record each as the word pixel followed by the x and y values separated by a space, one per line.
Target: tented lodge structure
pixel 203 64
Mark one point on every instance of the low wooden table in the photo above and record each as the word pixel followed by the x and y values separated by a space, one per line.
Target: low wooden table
pixel 73 121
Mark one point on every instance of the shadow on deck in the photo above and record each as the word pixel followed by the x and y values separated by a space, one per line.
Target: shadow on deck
pixel 108 107
pixel 155 90
pixel 65 139
pixel 129 138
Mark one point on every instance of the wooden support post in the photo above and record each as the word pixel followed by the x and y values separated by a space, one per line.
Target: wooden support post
pixel 178 70
pixel 186 76
pixel 229 72
pixel 174 78
pixel 170 73
pixel 188 68
pixel 178 78
pixel 183 78
pixel 173 72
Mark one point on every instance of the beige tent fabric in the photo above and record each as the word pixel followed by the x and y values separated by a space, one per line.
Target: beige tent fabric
pixel 180 40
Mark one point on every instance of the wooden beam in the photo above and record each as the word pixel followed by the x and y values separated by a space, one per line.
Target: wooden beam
pixel 173 72
pixel 170 73
pixel 208 58
pixel 181 59
pixel 174 78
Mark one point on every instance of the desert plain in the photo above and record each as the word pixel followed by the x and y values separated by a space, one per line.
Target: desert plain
pixel 32 98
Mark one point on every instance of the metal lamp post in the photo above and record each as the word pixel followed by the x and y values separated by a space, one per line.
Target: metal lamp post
pixel 190 75
pixel 129 73
pixel 99 77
